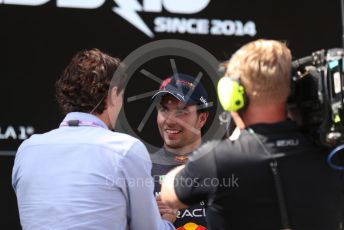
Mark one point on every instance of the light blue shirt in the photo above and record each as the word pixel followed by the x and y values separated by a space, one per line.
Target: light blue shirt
pixel 85 177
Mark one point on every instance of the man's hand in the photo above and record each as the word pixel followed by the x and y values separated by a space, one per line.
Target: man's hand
pixel 166 212
pixel 168 193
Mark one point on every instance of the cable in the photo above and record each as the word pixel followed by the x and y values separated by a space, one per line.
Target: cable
pixel 332 154
pixel 277 181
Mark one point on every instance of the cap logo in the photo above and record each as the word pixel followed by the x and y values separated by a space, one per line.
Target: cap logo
pixel 203 100
pixel 185 83
pixel 165 83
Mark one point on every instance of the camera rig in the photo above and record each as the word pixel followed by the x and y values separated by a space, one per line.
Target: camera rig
pixel 318 95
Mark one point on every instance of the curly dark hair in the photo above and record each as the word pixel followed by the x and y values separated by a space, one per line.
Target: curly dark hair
pixel 85 82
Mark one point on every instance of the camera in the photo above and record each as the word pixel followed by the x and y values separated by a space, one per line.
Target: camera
pixel 317 97
pixel 316 101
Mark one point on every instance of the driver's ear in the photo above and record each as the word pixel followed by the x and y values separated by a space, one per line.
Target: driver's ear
pixel 202 118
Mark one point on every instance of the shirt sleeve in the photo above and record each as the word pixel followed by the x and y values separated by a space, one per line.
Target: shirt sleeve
pixel 15 169
pixel 198 179
pixel 143 212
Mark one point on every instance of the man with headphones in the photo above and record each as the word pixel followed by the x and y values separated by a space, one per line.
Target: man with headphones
pixel 272 176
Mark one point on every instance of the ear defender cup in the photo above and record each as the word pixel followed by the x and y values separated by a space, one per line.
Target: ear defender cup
pixel 231 94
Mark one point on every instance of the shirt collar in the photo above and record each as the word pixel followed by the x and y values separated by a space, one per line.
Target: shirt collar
pixel 270 128
pixel 85 117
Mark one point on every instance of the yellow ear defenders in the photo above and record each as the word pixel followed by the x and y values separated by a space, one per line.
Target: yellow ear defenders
pixel 231 94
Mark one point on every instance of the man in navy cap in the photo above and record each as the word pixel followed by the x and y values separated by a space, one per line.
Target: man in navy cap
pixel 182 112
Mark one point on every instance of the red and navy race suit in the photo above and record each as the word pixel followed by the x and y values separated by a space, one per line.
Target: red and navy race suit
pixel 191 218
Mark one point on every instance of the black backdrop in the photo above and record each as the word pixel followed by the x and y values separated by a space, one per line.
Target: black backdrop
pixel 36 43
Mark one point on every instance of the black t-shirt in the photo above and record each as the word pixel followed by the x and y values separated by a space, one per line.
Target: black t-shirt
pixel 192 217
pixel 236 179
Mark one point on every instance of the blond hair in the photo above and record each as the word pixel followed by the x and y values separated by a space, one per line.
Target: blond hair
pixel 264 69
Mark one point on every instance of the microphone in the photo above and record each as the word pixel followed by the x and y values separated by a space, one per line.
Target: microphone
pixel 302 61
pixel 225 118
pixel 317 58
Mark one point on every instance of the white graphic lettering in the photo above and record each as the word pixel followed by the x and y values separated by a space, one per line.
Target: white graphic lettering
pixel 152 6
pixel 288 142
pixel 20 133
pixel 80 4
pixel 229 27
pixel 127 9
pixel 185 6
pixel 197 212
pixel 25 2
pixel 181 25
pixel 9 133
pixel 202 26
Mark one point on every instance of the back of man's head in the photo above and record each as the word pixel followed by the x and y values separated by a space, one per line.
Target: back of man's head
pixel 85 82
pixel 264 69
